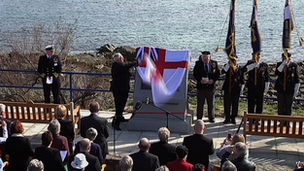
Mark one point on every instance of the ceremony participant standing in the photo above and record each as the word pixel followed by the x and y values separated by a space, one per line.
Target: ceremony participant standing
pixel 287 84
pixel 142 160
pixel 199 146
pixel 233 87
pixel 206 73
pixel 120 86
pixel 162 149
pixel 49 68
pixel 257 83
pixel 100 124
pixel 241 163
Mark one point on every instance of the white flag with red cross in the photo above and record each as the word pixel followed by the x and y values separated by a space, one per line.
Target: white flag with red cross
pixel 163 70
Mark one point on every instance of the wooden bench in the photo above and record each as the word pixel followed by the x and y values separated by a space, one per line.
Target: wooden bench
pixel 39 112
pixel 270 125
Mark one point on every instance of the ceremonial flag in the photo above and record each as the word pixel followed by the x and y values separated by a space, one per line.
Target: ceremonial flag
pixel 163 70
pixel 287 27
pixel 255 34
pixel 230 48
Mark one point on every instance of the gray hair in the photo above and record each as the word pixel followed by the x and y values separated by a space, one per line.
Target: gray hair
pixel 91 133
pixel 228 166
pixel 163 134
pixel 2 108
pixel 35 165
pixel 162 168
pixel 54 126
pixel 126 163
pixel 116 56
pixel 241 149
pixel 85 144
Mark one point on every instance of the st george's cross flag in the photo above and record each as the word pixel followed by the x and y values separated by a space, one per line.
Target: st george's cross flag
pixel 163 70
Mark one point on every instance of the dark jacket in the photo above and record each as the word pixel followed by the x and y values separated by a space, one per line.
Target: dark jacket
pixel 121 76
pixel 233 81
pixel 67 130
pixel 199 71
pixel 292 77
pixel 164 151
pixel 95 150
pixel 49 66
pixel 101 125
pixel 144 161
pixel 50 158
pixel 200 147
pixel 257 77
pixel 243 164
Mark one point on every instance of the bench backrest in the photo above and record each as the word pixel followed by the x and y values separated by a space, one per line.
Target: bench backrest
pixel 270 125
pixel 34 112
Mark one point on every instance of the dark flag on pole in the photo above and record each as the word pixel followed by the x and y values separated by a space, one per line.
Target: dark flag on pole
pixel 255 34
pixel 230 48
pixel 287 27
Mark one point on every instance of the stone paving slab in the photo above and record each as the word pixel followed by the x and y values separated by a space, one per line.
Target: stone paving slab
pixel 264 150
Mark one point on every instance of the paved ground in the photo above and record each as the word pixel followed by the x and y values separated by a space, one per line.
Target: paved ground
pixel 269 153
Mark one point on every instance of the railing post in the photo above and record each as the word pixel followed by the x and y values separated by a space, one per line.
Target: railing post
pixel 71 87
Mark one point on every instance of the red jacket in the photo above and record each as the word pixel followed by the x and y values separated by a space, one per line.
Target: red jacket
pixel 180 165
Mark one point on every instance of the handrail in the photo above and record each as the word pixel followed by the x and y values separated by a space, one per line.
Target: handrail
pixel 71 89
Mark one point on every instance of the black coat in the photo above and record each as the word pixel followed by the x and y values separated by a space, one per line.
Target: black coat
pixel 101 125
pixel 199 72
pixel 243 164
pixel 164 151
pixel 144 161
pixel 292 77
pixel 262 76
pixel 49 66
pixel 200 147
pixel 121 76
pixel 233 81
pixel 50 158
pixel 67 130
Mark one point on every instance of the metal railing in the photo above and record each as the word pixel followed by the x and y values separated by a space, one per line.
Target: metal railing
pixel 72 89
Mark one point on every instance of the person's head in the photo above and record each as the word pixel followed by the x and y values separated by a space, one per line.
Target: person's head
pixel 144 144
pixel 91 133
pixel 80 162
pixel 238 138
pixel 205 56
pixel 85 145
pixel 50 50
pixel 126 163
pixel 240 149
pixel 163 134
pixel 198 167
pixel 60 111
pixel 2 109
pixel 118 57
pixel 228 166
pixel 181 151
pixel 286 55
pixel 94 107
pixel 162 168
pixel 16 127
pixel 54 126
pixel 47 138
pixel 199 127
pixel 35 165
pixel 256 56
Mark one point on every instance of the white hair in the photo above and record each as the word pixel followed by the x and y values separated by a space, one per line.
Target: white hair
pixel 126 163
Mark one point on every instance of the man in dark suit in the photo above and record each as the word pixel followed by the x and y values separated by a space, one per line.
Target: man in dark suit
pixel 206 73
pixel 142 160
pixel 162 149
pixel 49 68
pixel 85 146
pixel 240 161
pixel 101 125
pixel 287 84
pixel 257 83
pixel 120 86
pixel 233 87
pixel 199 146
